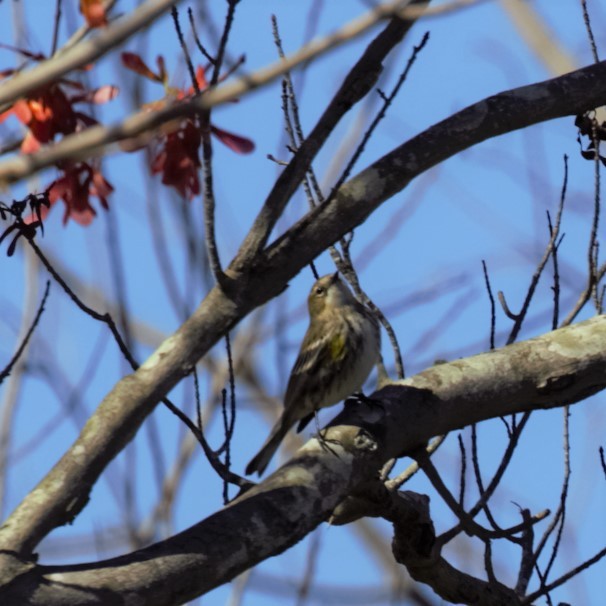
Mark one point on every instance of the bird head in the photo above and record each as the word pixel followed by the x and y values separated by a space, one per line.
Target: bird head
pixel 328 292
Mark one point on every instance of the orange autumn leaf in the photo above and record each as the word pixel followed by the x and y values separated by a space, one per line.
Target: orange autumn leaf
pixel 175 148
pixel 136 64
pixel 94 12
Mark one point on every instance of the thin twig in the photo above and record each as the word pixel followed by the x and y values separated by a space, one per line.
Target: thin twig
pixel 226 443
pixel 561 512
pixel 554 257
pixel 216 464
pixel 510 314
pixel 174 13
pixel 602 460
pixel 105 318
pixel 84 30
pixel 475 460
pixel 57 21
pixel 387 101
pixel 521 316
pixel 527 560
pixel 565 577
pixel 413 468
pixel 595 274
pixel 463 472
pixel 468 523
pixel 356 85
pixel 583 297
pixel 229 421
pixel 492 486
pixel 6 371
pixel 229 20
pixel 488 567
pixel 587 21
pixel 207 182
pixel 593 247
pixel 229 424
pixel 555 320
pixel 560 515
pixel 492 305
pixel 541 580
pixel 208 192
pixel 197 400
pixel 350 275
pixel 199 44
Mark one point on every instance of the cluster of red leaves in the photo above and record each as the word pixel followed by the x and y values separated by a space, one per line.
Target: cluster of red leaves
pixel 79 182
pixel 94 12
pixel 176 151
pixel 48 112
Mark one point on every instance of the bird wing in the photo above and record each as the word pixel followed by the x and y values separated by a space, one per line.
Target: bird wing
pixel 315 357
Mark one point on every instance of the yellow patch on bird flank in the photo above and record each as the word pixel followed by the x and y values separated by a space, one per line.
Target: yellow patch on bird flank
pixel 337 347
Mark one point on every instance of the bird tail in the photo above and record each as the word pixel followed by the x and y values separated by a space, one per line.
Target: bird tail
pixel 263 457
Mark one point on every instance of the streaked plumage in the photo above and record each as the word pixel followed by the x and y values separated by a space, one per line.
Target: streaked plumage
pixel 340 347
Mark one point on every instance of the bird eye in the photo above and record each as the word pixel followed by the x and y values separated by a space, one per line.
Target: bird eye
pixel 320 290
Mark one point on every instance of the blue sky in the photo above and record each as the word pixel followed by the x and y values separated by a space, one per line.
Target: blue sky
pixel 487 203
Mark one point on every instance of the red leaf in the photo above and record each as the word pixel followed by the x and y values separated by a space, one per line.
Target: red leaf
pixel 101 188
pixel 75 187
pixel 162 68
pixel 30 144
pixel 134 62
pixel 94 12
pixel 236 143
pixel 178 160
pixel 22 111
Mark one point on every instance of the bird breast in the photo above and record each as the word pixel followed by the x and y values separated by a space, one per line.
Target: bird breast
pixel 360 354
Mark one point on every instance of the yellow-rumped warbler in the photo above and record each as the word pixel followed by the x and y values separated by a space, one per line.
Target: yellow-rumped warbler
pixel 340 347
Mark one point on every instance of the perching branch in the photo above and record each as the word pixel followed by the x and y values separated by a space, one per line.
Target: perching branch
pixel 564 366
